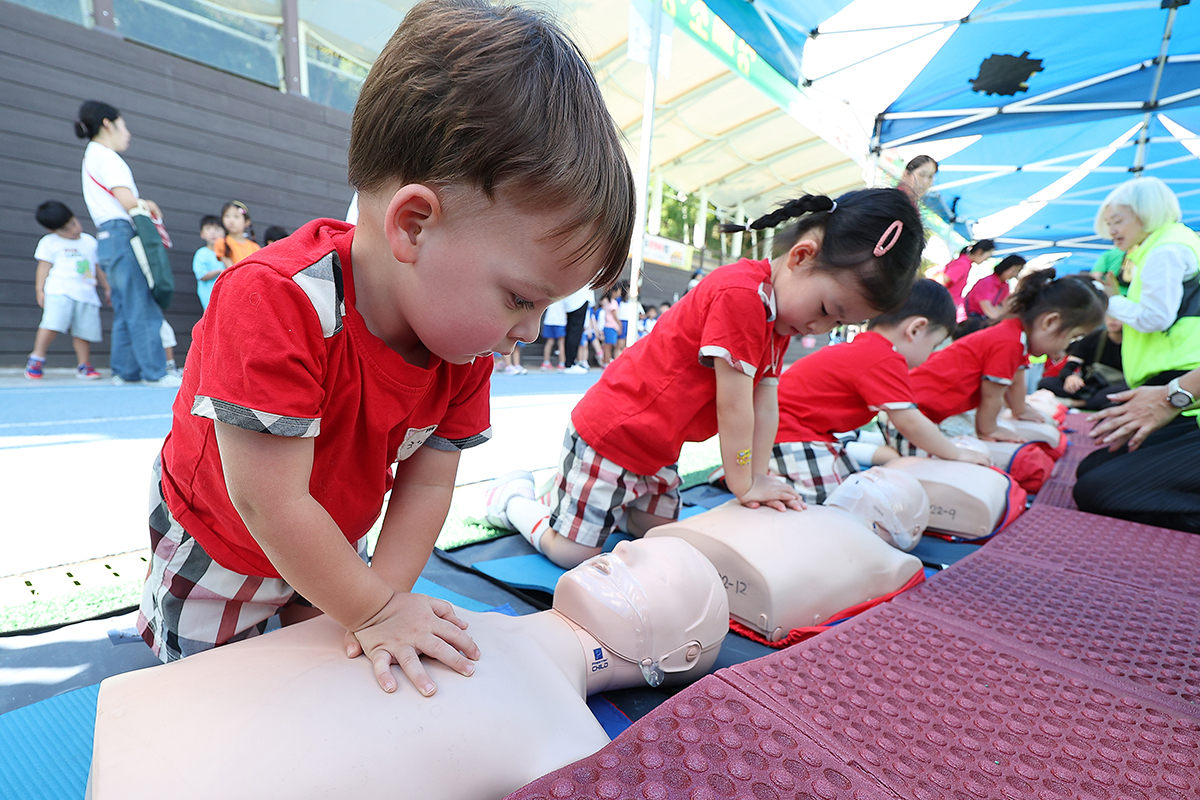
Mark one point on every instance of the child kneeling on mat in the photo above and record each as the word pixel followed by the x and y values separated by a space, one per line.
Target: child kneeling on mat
pixel 342 353
pixel 986 370
pixel 712 366
pixel 842 387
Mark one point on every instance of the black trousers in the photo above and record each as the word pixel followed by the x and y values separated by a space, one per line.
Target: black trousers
pixel 1157 484
pixel 575 320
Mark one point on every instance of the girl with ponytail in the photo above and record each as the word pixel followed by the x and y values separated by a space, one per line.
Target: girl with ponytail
pixel 985 370
pixel 711 367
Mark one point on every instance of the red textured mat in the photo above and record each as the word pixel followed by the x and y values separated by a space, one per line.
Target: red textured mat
pixel 1058 493
pixel 1113 549
pixel 932 713
pixel 1141 642
pixel 708 742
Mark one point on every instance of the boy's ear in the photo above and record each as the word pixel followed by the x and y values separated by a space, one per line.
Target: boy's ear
pixel 412 209
pixel 915 326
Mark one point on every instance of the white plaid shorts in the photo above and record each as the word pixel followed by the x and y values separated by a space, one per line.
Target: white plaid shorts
pixel 814 469
pixel 591 495
pixel 191 603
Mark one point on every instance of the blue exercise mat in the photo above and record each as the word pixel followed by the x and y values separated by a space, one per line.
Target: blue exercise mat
pixel 941 553
pixel 46 748
pixel 535 571
pixel 423 586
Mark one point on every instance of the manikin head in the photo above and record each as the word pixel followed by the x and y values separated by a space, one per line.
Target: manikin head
pixel 654 602
pixel 892 503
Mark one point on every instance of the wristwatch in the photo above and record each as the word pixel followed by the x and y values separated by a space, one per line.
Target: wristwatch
pixel 1179 397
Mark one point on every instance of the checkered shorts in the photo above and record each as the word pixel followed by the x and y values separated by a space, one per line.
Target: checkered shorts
pixel 814 469
pixel 591 495
pixel 191 603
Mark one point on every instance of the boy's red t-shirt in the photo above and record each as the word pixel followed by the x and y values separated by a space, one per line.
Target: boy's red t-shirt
pixel 662 391
pixel 841 388
pixel 948 383
pixel 281 349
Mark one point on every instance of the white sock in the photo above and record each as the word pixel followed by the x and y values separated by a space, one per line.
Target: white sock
pixel 531 518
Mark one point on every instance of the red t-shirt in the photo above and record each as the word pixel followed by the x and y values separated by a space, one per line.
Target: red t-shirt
pixel 948 382
pixel 282 350
pixel 662 391
pixel 989 288
pixel 841 388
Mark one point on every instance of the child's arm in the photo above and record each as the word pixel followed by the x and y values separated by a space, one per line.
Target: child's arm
pixel 991 400
pixel 415 515
pixel 1014 398
pixel 736 406
pixel 919 430
pixel 39 282
pixel 267 478
pixel 102 281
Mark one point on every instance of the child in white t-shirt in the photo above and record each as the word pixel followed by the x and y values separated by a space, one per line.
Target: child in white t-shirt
pixel 67 276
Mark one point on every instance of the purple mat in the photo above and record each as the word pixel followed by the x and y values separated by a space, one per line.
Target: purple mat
pixel 1144 643
pixel 1123 552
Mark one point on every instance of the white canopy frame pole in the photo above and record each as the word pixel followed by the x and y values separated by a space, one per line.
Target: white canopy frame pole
pixel 1139 158
pixel 643 185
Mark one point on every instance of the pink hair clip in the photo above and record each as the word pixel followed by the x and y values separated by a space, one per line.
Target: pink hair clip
pixel 889 238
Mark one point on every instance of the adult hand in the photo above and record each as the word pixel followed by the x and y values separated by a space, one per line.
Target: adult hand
pixel 1142 411
pixel 41 298
pixel 153 206
pixel 1111 287
pixel 409 625
pixel 1072 384
pixel 768 490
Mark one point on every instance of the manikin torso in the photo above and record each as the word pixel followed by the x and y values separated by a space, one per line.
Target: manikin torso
pixel 791 569
pixel 288 715
pixel 967 500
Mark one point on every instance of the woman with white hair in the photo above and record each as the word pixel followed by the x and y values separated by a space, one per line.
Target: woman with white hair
pixel 1158 484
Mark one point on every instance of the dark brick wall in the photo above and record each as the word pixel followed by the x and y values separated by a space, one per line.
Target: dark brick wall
pixel 201 137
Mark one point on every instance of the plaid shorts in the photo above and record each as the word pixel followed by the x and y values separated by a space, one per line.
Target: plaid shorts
pixel 591 495
pixel 191 603
pixel 814 469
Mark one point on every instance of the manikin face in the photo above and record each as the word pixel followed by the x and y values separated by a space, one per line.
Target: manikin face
pixel 891 502
pixel 1046 337
pixel 812 301
pixel 234 220
pixel 653 599
pixel 1124 227
pixel 481 273
pixel 921 178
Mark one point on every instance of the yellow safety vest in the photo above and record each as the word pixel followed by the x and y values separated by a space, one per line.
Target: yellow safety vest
pixel 1144 355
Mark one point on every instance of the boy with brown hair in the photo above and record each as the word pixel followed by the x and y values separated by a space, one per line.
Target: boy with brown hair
pixel 343 353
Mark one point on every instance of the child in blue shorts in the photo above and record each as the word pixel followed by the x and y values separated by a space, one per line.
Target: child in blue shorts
pixel 68 273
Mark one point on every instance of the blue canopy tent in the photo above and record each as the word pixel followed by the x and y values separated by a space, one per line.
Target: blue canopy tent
pixel 777 29
pixel 1066 97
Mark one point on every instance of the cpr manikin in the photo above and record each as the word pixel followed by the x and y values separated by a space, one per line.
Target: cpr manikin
pixel 966 500
pixel 798 568
pixel 289 715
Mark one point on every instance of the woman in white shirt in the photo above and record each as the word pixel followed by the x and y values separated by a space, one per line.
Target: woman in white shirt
pixel 110 192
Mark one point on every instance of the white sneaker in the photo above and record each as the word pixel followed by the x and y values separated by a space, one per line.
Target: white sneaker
pixel 119 381
pixel 513 369
pixel 518 483
pixel 168 380
pixel 576 369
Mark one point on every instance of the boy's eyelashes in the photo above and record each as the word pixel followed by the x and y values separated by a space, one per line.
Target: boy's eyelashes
pixel 522 303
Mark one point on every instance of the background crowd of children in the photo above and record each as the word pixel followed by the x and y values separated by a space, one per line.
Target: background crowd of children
pixel 69 280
